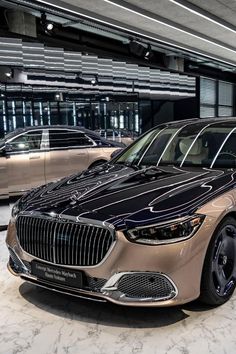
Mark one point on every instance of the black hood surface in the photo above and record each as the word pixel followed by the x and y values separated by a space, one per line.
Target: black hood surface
pixel 130 197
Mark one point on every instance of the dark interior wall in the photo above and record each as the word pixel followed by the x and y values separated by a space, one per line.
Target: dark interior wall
pixel 186 108
pixel 155 112
pixel 163 111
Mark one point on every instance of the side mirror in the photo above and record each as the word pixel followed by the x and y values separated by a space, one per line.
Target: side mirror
pixel 8 148
pixel 3 151
pixel 116 153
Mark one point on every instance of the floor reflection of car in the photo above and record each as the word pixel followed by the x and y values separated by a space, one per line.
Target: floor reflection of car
pixel 37 155
pixel 121 135
pixel 156 226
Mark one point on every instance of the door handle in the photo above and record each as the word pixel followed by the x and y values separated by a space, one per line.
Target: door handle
pixel 34 157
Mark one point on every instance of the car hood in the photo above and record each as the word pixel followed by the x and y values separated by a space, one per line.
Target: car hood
pixel 129 197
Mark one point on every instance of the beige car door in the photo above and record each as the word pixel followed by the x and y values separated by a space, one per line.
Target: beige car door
pixel 67 153
pixel 25 162
pixel 3 173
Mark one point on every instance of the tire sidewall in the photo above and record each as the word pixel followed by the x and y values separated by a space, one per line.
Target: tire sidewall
pixel 208 290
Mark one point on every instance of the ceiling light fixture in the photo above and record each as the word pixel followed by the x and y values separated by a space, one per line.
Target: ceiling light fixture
pixel 94 80
pixel 50 26
pixel 47 25
pixel 137 48
pixel 148 53
pixel 9 73
pixel 140 50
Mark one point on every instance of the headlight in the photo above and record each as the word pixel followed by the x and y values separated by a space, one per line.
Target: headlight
pixel 174 231
pixel 15 209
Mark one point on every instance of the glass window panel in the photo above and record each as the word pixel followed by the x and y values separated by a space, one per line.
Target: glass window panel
pixel 207 111
pixel 28 141
pixel 65 138
pixel 227 154
pixel 207 91
pixel 225 93
pixel 225 111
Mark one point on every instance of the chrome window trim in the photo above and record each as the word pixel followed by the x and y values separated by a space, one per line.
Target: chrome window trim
pixel 191 145
pixel 170 141
pixel 151 142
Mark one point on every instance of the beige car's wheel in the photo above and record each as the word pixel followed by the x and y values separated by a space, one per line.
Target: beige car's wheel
pixel 219 271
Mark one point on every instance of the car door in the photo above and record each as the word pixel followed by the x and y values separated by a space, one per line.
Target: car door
pixel 25 161
pixel 3 172
pixel 101 150
pixel 67 153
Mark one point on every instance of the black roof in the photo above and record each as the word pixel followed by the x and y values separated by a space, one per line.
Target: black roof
pixel 206 121
pixel 39 127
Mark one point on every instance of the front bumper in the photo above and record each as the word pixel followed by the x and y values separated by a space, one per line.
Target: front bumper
pixel 132 274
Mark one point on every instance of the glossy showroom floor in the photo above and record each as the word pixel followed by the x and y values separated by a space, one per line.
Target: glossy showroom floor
pixel 36 321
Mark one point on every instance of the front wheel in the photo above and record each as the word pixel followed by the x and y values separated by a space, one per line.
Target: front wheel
pixel 219 271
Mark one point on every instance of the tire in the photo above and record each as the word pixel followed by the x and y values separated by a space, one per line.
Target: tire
pixel 219 270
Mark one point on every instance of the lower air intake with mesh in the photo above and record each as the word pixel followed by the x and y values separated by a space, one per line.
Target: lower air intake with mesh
pixel 144 285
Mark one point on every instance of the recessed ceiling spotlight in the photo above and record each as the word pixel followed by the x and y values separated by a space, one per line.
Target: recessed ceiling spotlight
pixel 148 54
pixel 50 26
pixel 47 26
pixel 9 73
pixel 94 80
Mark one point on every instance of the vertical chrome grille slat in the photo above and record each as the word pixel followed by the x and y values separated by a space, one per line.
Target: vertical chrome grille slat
pixel 47 241
pixel 79 245
pixel 73 247
pixel 63 242
pixel 69 248
pixel 39 234
pixel 98 243
pixel 32 245
pixel 22 233
pixel 93 260
pixel 88 242
pixel 35 236
pixel 56 230
pixel 78 258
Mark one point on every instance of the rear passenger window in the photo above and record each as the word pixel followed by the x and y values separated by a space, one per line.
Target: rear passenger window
pixel 68 139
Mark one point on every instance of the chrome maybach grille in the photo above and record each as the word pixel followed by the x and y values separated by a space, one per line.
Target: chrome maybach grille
pixel 63 242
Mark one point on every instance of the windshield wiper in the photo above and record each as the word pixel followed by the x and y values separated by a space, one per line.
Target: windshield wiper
pixel 128 164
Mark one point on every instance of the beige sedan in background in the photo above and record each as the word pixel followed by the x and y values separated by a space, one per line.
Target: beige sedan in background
pixel 33 156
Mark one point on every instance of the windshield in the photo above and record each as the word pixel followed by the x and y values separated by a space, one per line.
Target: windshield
pixel 194 144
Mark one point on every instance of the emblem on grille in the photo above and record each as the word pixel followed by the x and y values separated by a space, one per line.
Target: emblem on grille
pixel 75 197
